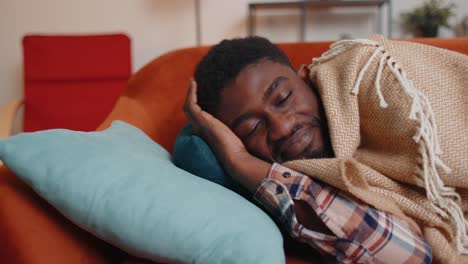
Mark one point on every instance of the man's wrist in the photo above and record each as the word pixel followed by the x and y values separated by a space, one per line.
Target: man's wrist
pixel 248 170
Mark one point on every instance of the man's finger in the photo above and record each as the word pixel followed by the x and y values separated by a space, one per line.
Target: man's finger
pixel 191 108
pixel 189 100
pixel 188 93
pixel 193 91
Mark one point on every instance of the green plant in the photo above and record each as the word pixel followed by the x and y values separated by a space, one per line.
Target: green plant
pixel 425 20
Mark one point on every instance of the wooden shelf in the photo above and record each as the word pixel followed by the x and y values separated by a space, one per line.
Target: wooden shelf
pixel 307 4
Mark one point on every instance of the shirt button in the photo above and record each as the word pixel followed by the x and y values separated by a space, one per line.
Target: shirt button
pixel 279 190
pixel 286 174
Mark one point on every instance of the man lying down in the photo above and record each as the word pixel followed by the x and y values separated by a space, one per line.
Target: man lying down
pixel 362 155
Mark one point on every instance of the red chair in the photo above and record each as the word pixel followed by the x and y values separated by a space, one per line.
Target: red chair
pixel 70 82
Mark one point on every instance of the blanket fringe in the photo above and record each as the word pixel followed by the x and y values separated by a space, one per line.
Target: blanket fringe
pixel 444 200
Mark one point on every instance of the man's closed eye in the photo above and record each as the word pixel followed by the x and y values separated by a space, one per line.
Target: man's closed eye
pixel 254 130
pixel 283 99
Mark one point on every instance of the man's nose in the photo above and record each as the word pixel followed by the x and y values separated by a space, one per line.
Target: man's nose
pixel 281 125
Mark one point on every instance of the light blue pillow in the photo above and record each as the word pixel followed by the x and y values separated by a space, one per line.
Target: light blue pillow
pixel 121 186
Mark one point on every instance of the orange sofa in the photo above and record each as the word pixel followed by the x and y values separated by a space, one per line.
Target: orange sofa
pixel 31 231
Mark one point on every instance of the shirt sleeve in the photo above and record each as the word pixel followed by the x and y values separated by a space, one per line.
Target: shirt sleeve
pixel 361 233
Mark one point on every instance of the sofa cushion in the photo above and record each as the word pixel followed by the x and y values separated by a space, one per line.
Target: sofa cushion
pixel 122 187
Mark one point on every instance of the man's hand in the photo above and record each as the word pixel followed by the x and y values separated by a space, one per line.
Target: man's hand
pixel 222 140
pixel 229 149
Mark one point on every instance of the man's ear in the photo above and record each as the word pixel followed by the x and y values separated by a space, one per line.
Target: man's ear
pixel 303 72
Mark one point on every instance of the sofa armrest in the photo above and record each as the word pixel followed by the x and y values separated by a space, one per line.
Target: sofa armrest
pixel 7 117
pixel 33 232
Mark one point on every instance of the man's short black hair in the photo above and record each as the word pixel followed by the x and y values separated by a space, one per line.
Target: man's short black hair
pixel 225 61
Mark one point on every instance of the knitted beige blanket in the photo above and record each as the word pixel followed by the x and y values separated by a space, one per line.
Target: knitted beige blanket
pixel 398 120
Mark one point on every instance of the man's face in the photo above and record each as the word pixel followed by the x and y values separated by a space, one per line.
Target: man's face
pixel 275 113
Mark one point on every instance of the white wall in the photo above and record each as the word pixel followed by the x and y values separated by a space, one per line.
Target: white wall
pixel 157 26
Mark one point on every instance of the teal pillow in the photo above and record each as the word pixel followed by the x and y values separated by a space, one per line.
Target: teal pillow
pixel 121 186
pixel 192 154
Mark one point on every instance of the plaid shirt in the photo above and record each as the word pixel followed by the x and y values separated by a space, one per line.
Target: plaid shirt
pixel 362 234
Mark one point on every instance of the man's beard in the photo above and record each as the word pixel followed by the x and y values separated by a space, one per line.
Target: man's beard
pixel 321 123
pixel 324 152
pixel 319 154
pixel 327 150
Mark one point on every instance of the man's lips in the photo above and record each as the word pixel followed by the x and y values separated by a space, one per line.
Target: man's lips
pixel 296 144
